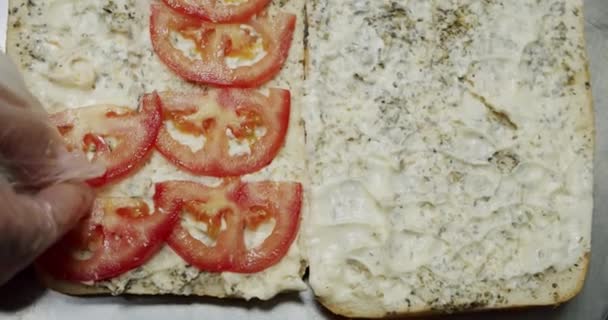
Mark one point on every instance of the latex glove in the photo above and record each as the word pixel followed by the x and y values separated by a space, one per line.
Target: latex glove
pixel 41 190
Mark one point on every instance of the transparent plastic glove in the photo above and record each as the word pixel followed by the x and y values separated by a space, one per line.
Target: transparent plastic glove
pixel 41 189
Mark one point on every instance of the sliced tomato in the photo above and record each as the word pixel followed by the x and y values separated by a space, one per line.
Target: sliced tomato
pixel 219 10
pixel 116 137
pixel 120 234
pixel 226 212
pixel 216 43
pixel 261 201
pixel 219 116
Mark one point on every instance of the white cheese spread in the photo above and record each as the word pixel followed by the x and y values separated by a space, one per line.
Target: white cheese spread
pixel 451 149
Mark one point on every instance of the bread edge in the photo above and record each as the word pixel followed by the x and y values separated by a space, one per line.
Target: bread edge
pixel 341 311
pixel 83 290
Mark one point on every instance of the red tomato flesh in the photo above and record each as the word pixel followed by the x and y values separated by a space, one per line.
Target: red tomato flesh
pixel 120 234
pixel 118 138
pixel 227 211
pixel 216 42
pixel 218 11
pixel 210 115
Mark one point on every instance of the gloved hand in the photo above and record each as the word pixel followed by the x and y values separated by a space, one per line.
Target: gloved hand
pixel 41 190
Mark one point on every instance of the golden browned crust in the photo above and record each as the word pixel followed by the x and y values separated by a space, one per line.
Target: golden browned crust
pixel 70 288
pixel 559 295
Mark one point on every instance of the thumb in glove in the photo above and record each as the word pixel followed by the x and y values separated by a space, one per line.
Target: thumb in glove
pixel 41 189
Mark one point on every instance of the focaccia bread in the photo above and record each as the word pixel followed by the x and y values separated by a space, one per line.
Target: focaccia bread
pixel 450 146
pixel 80 53
pixel 451 150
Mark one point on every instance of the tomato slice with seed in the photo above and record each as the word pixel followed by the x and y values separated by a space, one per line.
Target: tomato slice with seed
pixel 222 118
pixel 262 44
pixel 118 138
pixel 219 10
pixel 120 234
pixel 227 212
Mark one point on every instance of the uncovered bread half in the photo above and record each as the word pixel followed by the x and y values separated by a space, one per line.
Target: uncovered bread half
pixel 82 53
pixel 451 147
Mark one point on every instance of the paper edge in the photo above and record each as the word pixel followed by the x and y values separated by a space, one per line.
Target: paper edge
pixel 3 24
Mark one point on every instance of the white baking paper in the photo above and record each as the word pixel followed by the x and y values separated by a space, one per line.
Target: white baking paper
pixel 3 22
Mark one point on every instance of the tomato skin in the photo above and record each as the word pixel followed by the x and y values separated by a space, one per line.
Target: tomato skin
pixel 185 245
pixel 237 202
pixel 137 130
pixel 274 248
pixel 277 33
pixel 152 122
pixel 214 158
pixel 212 11
pixel 116 243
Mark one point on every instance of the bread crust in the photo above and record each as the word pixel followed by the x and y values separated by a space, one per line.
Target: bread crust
pixel 69 288
pixel 79 289
pixel 561 295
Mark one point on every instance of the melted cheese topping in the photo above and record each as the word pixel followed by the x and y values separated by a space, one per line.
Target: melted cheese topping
pixel 101 54
pixel 451 150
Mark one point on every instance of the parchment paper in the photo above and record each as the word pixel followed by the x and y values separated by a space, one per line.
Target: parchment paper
pixel 24 299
